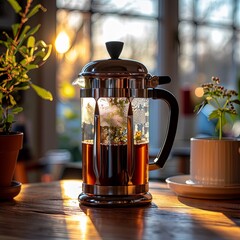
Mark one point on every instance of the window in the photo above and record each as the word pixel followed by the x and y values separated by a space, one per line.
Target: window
pixel 209 34
pixel 83 27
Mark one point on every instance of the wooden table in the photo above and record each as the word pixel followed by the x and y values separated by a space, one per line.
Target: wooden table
pixel 51 211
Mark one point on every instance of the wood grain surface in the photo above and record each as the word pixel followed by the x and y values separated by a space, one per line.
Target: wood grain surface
pixel 51 211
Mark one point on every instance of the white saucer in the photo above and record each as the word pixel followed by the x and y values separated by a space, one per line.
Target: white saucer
pixel 183 187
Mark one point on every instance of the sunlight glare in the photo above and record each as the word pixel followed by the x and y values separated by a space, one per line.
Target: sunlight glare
pixel 62 42
pixel 71 188
pixel 67 91
pixel 113 29
pixel 199 92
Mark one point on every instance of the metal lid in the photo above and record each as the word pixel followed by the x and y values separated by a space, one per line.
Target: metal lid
pixel 114 66
pixel 116 77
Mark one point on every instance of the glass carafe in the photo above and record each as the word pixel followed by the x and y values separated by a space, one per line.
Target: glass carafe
pixel 114 97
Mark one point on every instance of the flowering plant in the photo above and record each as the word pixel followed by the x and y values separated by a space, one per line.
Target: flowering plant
pixel 223 102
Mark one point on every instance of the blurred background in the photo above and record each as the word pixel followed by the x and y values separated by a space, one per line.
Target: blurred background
pixel 189 40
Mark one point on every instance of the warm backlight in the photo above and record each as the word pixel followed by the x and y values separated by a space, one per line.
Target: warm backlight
pixel 62 42
pixel 199 92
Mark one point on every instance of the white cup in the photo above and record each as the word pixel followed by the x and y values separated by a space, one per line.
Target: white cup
pixel 215 162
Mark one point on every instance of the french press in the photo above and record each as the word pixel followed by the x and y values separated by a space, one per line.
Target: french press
pixel 114 96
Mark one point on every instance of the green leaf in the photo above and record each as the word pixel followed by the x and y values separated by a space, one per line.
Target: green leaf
pixel 33 30
pixel 10 118
pixel 230 117
pixel 32 66
pixel 17 8
pixel 34 11
pixel 21 88
pixel 213 115
pixel 42 55
pixel 15 28
pixel 2 42
pixel 12 100
pixel 48 52
pixel 41 43
pixel 43 93
pixel 39 54
pixel 22 37
pixel 31 42
pixel 23 34
pixel 17 110
pixel 198 108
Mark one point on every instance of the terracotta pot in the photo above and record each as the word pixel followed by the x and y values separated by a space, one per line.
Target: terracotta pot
pixel 215 162
pixel 9 149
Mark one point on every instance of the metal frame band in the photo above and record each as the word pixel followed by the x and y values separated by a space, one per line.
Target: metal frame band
pixel 113 92
pixel 115 190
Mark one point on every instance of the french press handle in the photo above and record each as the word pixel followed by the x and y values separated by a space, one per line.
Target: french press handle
pixel 162 94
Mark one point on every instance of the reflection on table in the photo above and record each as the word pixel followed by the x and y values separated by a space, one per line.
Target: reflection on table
pixel 51 211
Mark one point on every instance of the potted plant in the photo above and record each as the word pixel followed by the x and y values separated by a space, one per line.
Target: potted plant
pixel 20 54
pixel 216 161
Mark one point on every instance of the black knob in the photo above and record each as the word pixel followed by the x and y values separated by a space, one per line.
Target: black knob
pixel 114 49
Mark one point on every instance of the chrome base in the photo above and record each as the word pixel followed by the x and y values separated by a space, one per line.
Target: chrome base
pixel 115 190
pixel 132 195
pixel 115 200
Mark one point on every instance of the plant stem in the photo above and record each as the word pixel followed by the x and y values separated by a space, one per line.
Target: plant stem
pixel 220 125
pixel 23 20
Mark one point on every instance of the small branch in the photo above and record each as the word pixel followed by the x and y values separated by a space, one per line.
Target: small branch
pixel 220 125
